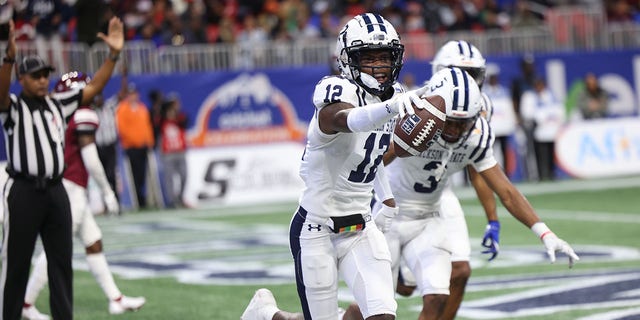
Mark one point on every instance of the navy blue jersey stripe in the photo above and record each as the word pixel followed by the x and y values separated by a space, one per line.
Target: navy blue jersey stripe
pixel 488 143
pixel 295 230
pixel 479 146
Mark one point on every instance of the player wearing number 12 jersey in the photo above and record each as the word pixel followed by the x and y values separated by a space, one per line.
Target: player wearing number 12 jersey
pixel 332 230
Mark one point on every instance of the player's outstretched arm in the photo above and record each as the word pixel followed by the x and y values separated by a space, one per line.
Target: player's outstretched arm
pixel 344 117
pixel 491 238
pixel 91 160
pixel 521 209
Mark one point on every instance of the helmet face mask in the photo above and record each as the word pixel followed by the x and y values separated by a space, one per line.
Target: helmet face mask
pixel 457 129
pixel 363 37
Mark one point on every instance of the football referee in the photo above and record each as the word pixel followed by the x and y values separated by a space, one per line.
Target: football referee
pixel 35 200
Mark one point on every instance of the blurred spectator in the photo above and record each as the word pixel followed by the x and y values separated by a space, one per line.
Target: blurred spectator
pixel 544 115
pixel 7 10
pixel 173 150
pixel 136 138
pixel 157 99
pixel 503 121
pixel 107 133
pixel 592 99
pixel 524 16
pixel 49 18
pixel 252 40
pixel 226 31
pixel 620 11
pixel 491 16
pixel 149 32
pixel 523 82
pixel 90 15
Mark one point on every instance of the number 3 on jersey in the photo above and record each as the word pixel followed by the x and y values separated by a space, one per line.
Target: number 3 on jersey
pixel 366 170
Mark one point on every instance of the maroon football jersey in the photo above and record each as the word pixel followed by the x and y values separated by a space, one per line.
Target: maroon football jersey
pixel 83 121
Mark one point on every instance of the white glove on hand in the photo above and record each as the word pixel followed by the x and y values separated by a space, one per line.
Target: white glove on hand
pixel 553 243
pixel 404 103
pixel 111 203
pixel 384 217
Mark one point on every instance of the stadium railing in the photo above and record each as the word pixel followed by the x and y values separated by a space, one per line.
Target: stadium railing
pixel 564 29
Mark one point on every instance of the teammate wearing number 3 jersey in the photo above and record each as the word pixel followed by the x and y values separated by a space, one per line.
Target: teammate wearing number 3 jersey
pixel 418 234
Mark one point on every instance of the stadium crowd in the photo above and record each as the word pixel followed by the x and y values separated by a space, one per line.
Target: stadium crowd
pixel 177 22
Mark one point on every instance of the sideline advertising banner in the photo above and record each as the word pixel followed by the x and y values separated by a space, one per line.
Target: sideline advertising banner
pixel 600 148
pixel 247 129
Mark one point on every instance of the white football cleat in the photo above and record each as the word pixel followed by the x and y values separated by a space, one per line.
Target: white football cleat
pixel 261 307
pixel 31 313
pixel 124 303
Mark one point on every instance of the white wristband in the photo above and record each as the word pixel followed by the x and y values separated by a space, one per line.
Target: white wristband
pixel 369 117
pixel 540 229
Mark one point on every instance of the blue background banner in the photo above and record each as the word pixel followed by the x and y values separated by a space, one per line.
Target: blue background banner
pixel 618 72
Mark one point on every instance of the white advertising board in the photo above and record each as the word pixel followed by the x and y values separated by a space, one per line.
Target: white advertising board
pixel 243 174
pixel 599 148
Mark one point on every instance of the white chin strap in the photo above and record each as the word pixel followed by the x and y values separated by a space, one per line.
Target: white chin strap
pixel 369 81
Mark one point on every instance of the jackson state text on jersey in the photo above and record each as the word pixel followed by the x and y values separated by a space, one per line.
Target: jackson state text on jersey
pixel 414 180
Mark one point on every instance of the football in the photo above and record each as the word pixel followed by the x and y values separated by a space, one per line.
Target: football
pixel 414 133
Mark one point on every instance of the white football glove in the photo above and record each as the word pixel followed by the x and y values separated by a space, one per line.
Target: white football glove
pixel 111 203
pixel 404 103
pixel 384 217
pixel 553 243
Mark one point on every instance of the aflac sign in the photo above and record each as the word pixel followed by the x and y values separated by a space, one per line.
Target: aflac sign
pixel 600 148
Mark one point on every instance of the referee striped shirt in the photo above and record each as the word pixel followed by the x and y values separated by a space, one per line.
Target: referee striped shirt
pixel 107 133
pixel 34 130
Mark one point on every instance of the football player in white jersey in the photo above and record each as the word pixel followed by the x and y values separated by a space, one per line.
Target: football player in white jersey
pixel 419 234
pixel 467 57
pixel 82 161
pixel 332 234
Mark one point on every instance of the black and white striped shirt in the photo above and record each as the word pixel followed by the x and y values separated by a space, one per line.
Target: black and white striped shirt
pixel 34 131
pixel 107 133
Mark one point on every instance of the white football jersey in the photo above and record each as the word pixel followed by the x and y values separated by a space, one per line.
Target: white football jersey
pixel 418 182
pixel 338 169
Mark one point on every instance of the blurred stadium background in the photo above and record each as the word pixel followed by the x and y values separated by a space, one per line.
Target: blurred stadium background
pixel 206 262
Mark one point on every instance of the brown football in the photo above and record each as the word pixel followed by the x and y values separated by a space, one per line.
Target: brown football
pixel 414 133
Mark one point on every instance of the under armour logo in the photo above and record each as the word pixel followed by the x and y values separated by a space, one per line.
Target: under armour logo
pixel 311 227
